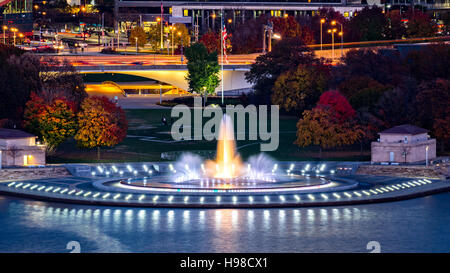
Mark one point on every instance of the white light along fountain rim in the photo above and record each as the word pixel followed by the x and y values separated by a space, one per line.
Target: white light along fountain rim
pixel 337 184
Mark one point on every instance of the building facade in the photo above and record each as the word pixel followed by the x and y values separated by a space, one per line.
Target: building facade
pixel 404 144
pixel 18 148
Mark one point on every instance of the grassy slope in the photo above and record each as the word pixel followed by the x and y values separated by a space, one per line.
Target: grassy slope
pixel 147 122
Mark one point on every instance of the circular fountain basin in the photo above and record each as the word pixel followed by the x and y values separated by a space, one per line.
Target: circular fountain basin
pixel 284 184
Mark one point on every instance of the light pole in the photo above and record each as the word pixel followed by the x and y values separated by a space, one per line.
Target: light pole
pixel 14 30
pixel 160 94
pixel 161 22
pixel 426 156
pixel 321 23
pixel 4 35
pixel 341 33
pixel 172 28
pixel 136 40
pixel 332 31
pixel 181 36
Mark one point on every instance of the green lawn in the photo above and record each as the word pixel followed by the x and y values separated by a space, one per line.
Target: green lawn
pixel 147 123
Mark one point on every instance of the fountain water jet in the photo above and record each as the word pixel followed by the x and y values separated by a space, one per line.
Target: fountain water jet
pixel 228 163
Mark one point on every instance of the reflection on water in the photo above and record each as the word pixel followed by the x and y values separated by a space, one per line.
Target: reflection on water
pixel 414 225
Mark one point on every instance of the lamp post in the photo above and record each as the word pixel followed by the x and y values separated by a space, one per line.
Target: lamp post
pixel 136 40
pixel 179 34
pixel 172 28
pixel 332 31
pixel 341 33
pixel 161 22
pixel 4 35
pixel 426 156
pixel 14 30
pixel 321 23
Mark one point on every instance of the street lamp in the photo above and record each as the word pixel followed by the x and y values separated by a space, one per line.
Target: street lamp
pixel 332 31
pixel 341 33
pixel 159 20
pixel 172 29
pixel 14 30
pixel 136 40
pixel 4 35
pixel 179 34
pixel 321 23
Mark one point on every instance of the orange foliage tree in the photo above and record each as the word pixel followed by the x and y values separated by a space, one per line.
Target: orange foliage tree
pixel 52 122
pixel 101 124
pixel 329 125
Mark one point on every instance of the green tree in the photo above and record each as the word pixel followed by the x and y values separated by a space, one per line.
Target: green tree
pixel 362 91
pixel 138 35
pixel 203 70
pixel 299 89
pixel 369 24
pixel 154 36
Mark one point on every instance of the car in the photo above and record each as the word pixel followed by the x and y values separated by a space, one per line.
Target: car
pixel 83 35
pixel 137 63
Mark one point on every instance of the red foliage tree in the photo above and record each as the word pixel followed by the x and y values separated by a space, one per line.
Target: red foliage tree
pixel 340 105
pixel 211 40
pixel 289 27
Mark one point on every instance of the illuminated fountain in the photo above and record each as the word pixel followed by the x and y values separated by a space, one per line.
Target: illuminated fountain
pixel 227 166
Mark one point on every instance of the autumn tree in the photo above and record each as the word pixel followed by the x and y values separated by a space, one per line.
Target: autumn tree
pixel 395 28
pixel 433 105
pixel 203 70
pixel 211 41
pixel 362 91
pixel 299 89
pixel 420 25
pixel 101 124
pixel 19 76
pixel 285 55
pixel 138 36
pixel 53 123
pixel 321 127
pixel 429 63
pixel 66 83
pixel 288 27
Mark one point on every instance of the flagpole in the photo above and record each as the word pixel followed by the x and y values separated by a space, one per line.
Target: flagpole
pixel 221 46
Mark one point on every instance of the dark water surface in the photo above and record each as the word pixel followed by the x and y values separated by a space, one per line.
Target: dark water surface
pixel 418 225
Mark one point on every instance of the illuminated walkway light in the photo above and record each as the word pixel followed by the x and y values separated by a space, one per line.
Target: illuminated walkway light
pixel 324 196
pixel 18 185
pixel 202 199
pixel 155 198
pixel 63 191
pixel 366 193
pixel 311 197
pixel 357 193
pixel 347 194
pixel 170 198
pixel 128 197
pixel 116 196
pixel 141 197
pixel 26 186
pixel 78 193
pixel 297 197
pixel 33 187
pixel 186 198
pixel 266 198
pixel 282 198
pixel 218 199
pixel 106 195
pixel 96 195
pixel 11 184
pixel 41 188
pixel 87 194
pixel 57 189
pixel 48 189
pixel 337 195
pixel 234 199
pixel 250 198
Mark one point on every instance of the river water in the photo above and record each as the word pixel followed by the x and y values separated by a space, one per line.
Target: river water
pixel 417 225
